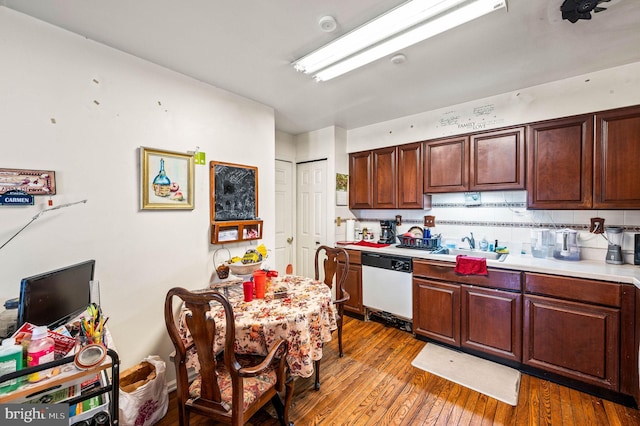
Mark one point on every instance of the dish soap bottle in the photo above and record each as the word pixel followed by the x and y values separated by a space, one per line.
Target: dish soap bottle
pixel 484 244
pixel 10 361
pixel 41 350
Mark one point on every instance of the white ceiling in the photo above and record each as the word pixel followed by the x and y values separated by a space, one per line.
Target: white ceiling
pixel 246 47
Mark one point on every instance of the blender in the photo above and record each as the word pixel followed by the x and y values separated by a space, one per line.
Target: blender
pixel 614 249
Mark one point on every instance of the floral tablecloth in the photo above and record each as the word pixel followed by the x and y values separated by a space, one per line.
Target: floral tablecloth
pixel 305 319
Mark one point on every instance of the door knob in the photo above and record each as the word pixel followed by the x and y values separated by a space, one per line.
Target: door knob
pixel 290 240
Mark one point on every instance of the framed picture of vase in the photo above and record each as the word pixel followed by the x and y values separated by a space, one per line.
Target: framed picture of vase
pixel 166 180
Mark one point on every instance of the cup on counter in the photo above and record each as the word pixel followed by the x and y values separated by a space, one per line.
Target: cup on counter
pixel 247 287
pixel 259 281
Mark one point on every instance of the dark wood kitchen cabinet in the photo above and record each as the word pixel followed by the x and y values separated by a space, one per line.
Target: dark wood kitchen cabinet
pixel 617 151
pixel 480 313
pixel 361 180
pixel 353 285
pixel 410 181
pixel 446 165
pixel 387 178
pixel 560 163
pixel 497 160
pixel 488 161
pixel 579 329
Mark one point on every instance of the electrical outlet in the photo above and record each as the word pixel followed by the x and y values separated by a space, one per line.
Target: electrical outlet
pixel 429 221
pixel 597 225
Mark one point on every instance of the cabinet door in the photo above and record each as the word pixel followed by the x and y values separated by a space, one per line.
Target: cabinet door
pixel 560 163
pixel 492 322
pixel 353 286
pixel 360 180
pixel 410 179
pixel 575 340
pixel 446 165
pixel 617 175
pixel 436 310
pixel 385 178
pixel 497 160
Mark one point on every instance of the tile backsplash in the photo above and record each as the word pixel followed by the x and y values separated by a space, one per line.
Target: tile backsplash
pixel 503 216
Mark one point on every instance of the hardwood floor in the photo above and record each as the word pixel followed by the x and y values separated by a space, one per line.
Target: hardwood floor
pixel 375 384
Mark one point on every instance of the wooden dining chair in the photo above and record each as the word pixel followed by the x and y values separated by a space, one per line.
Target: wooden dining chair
pixel 229 388
pixel 331 256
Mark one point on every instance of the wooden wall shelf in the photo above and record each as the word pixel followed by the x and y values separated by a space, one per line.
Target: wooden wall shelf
pixel 230 231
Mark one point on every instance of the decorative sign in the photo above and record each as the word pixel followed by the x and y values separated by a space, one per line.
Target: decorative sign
pixel 16 198
pixel 34 182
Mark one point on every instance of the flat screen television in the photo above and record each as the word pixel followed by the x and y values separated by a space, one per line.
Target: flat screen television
pixel 53 298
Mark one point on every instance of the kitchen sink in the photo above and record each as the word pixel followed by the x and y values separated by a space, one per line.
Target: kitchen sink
pixel 478 253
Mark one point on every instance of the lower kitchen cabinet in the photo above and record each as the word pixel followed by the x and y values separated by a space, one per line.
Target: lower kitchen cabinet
pixel 492 322
pixel 353 285
pixel 465 311
pixel 575 340
pixel 579 329
pixel 436 310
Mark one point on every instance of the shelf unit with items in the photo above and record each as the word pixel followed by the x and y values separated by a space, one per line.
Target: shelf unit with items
pixel 87 392
pixel 235 231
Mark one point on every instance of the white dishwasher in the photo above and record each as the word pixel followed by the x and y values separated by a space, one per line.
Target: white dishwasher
pixel 387 284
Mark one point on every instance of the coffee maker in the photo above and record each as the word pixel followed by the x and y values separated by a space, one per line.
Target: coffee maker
pixel 614 249
pixel 387 232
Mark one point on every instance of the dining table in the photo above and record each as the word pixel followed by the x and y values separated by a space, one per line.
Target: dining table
pixel 294 308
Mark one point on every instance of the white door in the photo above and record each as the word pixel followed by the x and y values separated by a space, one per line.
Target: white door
pixel 284 216
pixel 311 198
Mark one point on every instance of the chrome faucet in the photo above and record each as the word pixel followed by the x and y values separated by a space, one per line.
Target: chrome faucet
pixel 472 242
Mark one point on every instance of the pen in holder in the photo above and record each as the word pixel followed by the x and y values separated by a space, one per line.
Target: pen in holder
pixel 92 327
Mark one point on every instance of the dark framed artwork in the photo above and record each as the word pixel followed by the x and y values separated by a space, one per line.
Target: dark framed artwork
pixel 234 191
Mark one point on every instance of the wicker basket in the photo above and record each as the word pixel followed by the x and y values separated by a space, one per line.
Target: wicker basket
pixel 239 268
pixel 222 269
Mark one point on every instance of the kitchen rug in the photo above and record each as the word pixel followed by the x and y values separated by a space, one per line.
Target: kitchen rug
pixel 487 377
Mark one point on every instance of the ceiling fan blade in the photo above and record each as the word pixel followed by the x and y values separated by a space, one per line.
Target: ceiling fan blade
pixel 599 9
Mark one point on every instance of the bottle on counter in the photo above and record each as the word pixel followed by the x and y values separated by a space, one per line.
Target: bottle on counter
pixel 40 351
pixel 484 244
pixel 10 361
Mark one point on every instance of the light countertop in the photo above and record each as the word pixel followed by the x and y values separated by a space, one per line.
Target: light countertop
pixel 590 269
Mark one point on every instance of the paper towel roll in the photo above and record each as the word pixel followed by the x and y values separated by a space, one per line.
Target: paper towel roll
pixel 351 230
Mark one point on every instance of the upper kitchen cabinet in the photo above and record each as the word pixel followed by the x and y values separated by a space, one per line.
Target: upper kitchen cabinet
pixel 560 163
pixel 387 178
pixel 361 180
pixel 410 193
pixel 617 150
pixel 497 160
pixel 446 165
pixel 487 161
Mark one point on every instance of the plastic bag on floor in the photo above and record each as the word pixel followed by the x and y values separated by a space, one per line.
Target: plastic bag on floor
pixel 144 397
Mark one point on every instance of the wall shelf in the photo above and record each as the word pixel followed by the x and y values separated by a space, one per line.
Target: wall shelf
pixel 230 231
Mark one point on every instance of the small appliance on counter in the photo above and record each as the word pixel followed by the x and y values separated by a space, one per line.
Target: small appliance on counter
pixel 614 249
pixel 541 243
pixel 387 232
pixel 566 247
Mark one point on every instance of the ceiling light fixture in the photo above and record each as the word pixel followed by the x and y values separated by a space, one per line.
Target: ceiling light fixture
pixel 407 24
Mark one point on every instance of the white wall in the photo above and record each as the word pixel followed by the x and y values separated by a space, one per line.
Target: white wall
pixel 106 104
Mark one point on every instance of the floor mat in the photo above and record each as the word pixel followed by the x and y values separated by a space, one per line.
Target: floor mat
pixel 487 377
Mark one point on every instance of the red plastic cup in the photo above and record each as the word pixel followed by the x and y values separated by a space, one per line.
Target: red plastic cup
pixel 259 280
pixel 247 286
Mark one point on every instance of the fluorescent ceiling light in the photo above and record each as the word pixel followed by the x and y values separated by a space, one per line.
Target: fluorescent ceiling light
pixel 348 52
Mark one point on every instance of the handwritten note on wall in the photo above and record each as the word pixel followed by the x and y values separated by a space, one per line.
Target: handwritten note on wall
pixel 478 118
